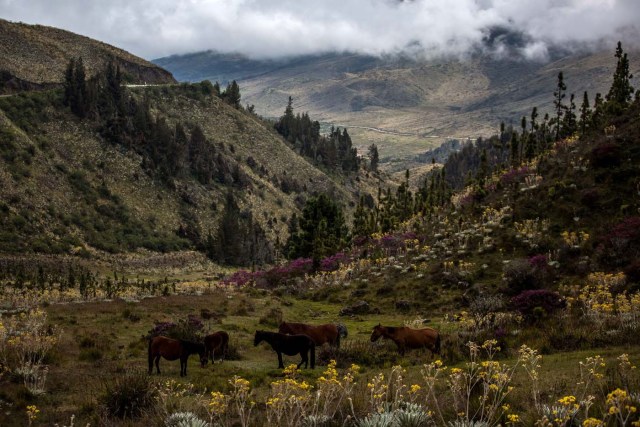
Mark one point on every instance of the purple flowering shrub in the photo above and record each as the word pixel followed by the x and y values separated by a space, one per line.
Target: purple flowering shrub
pixel 515 175
pixel 539 262
pixel 273 277
pixel 333 262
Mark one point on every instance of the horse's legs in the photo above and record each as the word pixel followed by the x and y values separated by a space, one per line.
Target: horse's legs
pixel 280 363
pixel 158 364
pixel 401 348
pixel 183 366
pixel 305 359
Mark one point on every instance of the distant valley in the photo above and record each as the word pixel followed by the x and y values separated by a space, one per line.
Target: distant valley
pixel 417 104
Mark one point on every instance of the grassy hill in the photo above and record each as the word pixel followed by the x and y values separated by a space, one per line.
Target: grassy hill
pixel 35 56
pixel 64 188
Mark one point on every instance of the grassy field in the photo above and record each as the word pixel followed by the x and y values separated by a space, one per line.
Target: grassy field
pixel 103 341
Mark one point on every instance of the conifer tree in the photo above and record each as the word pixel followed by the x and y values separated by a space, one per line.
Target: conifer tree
pixel 585 114
pixel 232 94
pixel 621 91
pixel 597 116
pixel 558 104
pixel 569 123
pixel 374 157
pixel 321 230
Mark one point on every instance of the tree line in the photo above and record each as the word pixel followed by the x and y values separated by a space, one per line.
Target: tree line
pixel 515 145
pixel 334 151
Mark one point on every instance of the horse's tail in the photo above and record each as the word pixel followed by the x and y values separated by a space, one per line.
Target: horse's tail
pixel 436 348
pixel 150 357
pixel 313 353
pixel 225 345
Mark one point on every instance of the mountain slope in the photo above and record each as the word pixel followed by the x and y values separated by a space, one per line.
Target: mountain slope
pixel 35 56
pixel 63 188
pixel 410 105
pixel 121 172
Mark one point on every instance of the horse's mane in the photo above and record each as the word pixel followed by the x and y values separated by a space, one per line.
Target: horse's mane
pixel 391 329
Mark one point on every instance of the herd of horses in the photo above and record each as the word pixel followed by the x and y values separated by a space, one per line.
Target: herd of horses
pixel 291 339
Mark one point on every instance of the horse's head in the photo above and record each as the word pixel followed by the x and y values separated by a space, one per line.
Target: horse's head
pixel 342 330
pixel 257 338
pixel 204 359
pixel 201 349
pixel 378 331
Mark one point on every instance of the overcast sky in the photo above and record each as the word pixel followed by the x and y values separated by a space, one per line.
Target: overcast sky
pixel 266 28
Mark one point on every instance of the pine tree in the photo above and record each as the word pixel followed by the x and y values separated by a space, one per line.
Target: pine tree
pixel 569 124
pixel 585 114
pixel 597 116
pixel 322 230
pixel 69 84
pixel 559 106
pixel 232 94
pixel 374 157
pixel 621 91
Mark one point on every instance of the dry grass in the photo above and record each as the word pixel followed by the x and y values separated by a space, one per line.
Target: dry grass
pixel 39 54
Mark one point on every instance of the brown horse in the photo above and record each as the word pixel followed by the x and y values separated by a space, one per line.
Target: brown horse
pixel 408 338
pixel 320 334
pixel 172 349
pixel 217 342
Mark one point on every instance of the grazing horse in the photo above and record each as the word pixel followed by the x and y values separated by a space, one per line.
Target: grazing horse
pixel 409 338
pixel 320 334
pixel 217 342
pixel 289 345
pixel 172 349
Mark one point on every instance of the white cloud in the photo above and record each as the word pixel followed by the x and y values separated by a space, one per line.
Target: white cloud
pixel 265 28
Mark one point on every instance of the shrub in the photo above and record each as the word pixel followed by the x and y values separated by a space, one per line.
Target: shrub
pixel 519 276
pixel 184 419
pixel 485 304
pixel 90 354
pixel 189 329
pixel 529 303
pixel 272 318
pixel 605 155
pixel 360 353
pixel 130 395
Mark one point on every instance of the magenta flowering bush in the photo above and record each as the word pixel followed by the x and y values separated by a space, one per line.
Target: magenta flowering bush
pixel 273 277
pixel 515 175
pixel 539 262
pixel 333 262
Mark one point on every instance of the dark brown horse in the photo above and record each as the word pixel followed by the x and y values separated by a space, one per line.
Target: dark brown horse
pixel 216 343
pixel 408 338
pixel 172 349
pixel 320 334
pixel 289 345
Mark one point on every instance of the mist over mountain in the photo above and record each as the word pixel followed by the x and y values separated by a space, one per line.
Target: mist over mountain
pixel 282 28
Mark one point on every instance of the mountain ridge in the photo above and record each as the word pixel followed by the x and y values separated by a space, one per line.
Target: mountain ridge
pixel 434 100
pixel 35 57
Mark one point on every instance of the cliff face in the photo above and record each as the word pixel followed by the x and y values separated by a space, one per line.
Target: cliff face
pixel 35 57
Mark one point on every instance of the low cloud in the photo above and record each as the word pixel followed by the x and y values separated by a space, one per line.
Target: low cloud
pixel 275 28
